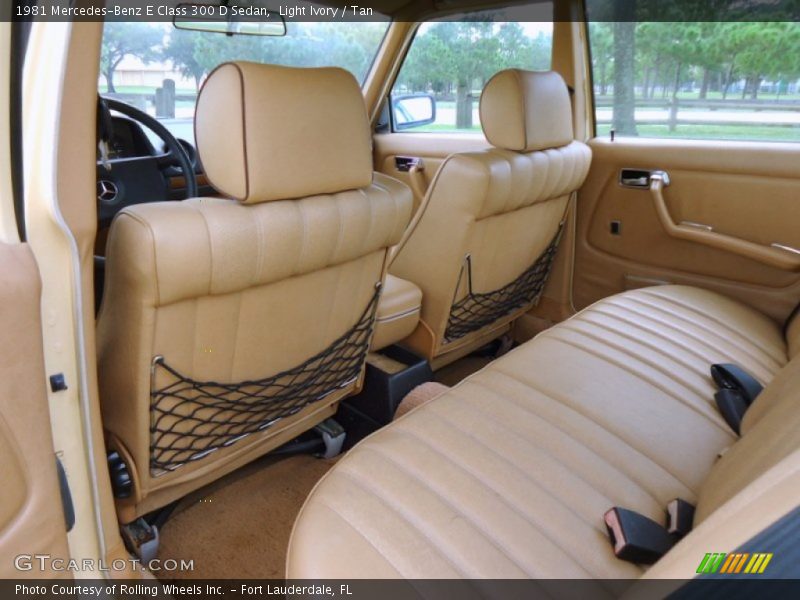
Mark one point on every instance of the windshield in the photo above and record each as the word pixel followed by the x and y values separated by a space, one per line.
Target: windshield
pixel 159 69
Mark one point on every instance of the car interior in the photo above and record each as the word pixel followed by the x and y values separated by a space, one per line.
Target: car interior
pixel 287 328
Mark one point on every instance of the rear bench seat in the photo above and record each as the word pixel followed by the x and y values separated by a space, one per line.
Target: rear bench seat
pixel 509 473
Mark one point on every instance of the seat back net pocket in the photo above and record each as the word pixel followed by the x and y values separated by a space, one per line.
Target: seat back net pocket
pixel 478 310
pixel 189 418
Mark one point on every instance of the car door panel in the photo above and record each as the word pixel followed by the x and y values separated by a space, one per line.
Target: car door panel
pixel 31 514
pixel 747 191
pixel 432 148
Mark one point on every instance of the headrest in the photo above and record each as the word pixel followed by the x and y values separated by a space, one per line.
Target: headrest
pixel 266 132
pixel 526 111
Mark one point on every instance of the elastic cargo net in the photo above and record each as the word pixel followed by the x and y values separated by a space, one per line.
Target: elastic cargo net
pixel 189 419
pixel 477 310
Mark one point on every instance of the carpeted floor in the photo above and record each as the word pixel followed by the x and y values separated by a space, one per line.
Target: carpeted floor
pixel 463 367
pixel 239 526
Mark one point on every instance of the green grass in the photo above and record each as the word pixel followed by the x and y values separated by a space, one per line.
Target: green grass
pixel 700 132
pixel 445 128
pixel 738 96
pixel 732 96
pixel 715 132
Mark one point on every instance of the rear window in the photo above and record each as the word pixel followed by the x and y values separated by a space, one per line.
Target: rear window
pixel 705 80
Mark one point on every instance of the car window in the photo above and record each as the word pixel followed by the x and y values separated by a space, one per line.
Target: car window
pixel 706 80
pixel 159 68
pixel 449 61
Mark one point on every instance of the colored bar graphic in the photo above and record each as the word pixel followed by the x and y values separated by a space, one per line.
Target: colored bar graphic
pixel 734 563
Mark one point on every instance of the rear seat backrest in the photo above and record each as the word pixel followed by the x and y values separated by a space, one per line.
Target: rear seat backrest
pixel 770 432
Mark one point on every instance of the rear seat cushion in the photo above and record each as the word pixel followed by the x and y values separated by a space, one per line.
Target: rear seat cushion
pixel 509 473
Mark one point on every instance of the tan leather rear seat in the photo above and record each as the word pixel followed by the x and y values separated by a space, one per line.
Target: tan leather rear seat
pixel 509 473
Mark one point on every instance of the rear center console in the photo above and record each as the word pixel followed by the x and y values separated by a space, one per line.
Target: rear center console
pixel 398 312
pixel 392 371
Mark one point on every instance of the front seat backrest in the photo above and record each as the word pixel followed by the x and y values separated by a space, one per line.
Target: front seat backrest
pixel 232 324
pixel 487 231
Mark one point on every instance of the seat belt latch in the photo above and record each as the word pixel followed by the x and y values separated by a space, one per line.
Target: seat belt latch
pixel 737 390
pixel 636 538
pixel 680 517
pixel 733 377
pixel 333 435
pixel 732 406
pixel 141 539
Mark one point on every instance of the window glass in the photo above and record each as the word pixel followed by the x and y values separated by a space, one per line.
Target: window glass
pixel 451 61
pixel 706 80
pixel 140 58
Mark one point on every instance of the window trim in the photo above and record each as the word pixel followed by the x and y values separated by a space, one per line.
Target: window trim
pixel 20 33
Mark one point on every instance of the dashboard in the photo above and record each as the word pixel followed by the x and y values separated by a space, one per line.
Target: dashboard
pixel 128 140
pixel 139 169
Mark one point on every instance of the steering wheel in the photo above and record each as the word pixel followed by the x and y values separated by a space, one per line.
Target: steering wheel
pixel 139 179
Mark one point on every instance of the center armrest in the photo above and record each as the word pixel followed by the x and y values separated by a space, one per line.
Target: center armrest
pixel 398 312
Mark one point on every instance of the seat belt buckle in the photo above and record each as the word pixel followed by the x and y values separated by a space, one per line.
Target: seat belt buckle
pixel 141 539
pixel 333 435
pixel 636 538
pixel 732 377
pixel 737 390
pixel 680 517
pixel 732 406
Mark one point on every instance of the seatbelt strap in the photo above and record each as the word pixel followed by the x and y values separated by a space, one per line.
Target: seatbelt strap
pixel 639 539
pixel 737 390
pixel 105 126
pixel 105 131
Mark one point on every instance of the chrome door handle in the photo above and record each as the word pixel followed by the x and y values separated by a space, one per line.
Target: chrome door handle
pixel 640 178
pixel 406 163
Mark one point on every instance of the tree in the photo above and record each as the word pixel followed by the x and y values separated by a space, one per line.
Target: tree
pixel 788 67
pixel 180 50
pixel 476 56
pixel 624 109
pixel 429 65
pixel 765 50
pixel 121 39
pixel 602 37
pixel 311 44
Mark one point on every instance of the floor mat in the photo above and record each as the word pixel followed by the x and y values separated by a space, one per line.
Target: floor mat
pixel 239 526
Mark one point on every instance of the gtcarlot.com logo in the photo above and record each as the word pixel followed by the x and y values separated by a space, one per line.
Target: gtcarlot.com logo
pixel 48 563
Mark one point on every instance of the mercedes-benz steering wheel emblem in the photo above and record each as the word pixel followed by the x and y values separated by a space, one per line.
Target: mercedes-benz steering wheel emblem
pixel 107 191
